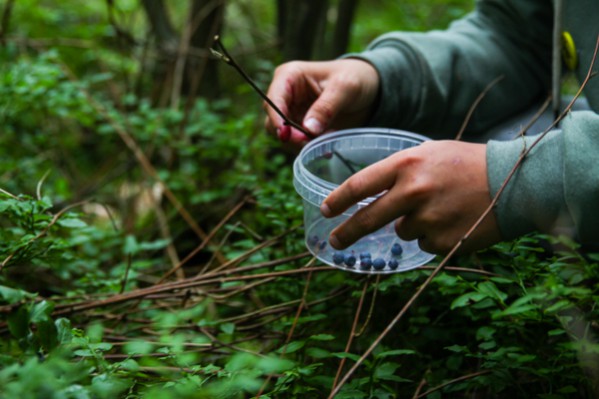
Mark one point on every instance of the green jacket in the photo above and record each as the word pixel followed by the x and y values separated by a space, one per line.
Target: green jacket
pixel 429 81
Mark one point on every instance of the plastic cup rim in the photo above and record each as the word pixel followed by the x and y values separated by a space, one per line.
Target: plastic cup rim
pixel 302 176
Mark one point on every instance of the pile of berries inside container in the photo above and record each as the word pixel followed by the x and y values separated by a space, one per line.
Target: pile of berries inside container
pixel 366 262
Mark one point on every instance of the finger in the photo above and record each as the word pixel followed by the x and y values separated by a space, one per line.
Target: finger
pixel 282 91
pixel 366 220
pixel 368 182
pixel 408 228
pixel 334 97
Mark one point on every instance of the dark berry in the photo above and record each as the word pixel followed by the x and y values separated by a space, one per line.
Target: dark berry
pixel 396 249
pixel 313 240
pixel 393 264
pixel 322 245
pixel 379 264
pixel 364 255
pixel 338 258
pixel 350 260
pixel 365 263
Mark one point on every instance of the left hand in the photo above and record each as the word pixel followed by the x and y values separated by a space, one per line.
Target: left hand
pixel 436 192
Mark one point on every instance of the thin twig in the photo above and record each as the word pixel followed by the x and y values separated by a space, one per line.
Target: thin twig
pixel 371 309
pixel 352 333
pixel 475 105
pixel 228 59
pixel 8 194
pixel 300 308
pixel 420 386
pixel 205 241
pixel 459 379
pixel 126 276
pixel 38 190
pixel 144 292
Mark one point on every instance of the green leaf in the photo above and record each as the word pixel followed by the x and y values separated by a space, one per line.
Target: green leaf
pixel 154 245
pixel 490 289
pixel 272 364
pixel 130 246
pixel 228 328
pixel 514 310
pixel 467 299
pixel 41 311
pixel 47 334
pixel 458 348
pixel 12 295
pixel 72 223
pixel 386 371
pixel 64 332
pixel 558 306
pixel 18 323
pixel 291 347
pixel 138 347
pixel 345 355
pixel 318 353
pixel 395 352
pixel 322 337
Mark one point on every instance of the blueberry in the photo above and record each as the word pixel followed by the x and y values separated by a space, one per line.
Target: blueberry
pixel 379 264
pixel 365 254
pixel 393 264
pixel 365 263
pixel 322 245
pixel 396 249
pixel 350 260
pixel 313 240
pixel 338 258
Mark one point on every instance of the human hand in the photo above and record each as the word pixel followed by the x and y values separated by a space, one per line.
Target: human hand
pixel 436 192
pixel 320 96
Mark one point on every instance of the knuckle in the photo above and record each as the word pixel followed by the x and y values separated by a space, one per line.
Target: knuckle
pixel 355 187
pixel 325 108
pixel 419 188
pixel 403 229
pixel 291 67
pixel 349 82
pixel 434 245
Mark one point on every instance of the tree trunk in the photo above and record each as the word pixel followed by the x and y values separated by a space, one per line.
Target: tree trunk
pixel 160 23
pixel 183 66
pixel 304 32
pixel 302 19
pixel 207 21
pixel 345 16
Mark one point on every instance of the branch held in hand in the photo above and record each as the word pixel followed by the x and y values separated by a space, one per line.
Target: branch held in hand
pixel 224 55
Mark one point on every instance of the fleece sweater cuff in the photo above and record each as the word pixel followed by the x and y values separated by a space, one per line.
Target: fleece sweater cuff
pixel 534 197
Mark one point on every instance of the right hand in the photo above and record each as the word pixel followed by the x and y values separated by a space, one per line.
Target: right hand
pixel 321 96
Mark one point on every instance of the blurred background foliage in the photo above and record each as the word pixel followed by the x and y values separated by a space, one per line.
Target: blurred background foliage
pixel 150 236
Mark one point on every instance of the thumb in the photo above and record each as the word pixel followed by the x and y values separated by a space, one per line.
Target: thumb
pixel 322 112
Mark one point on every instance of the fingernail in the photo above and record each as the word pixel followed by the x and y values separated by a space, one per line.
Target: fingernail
pixel 325 210
pixel 334 241
pixel 314 126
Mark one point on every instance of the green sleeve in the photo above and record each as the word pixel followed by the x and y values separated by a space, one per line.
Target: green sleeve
pixel 430 80
pixel 557 184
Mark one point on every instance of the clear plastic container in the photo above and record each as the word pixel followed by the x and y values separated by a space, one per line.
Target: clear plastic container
pixel 322 165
